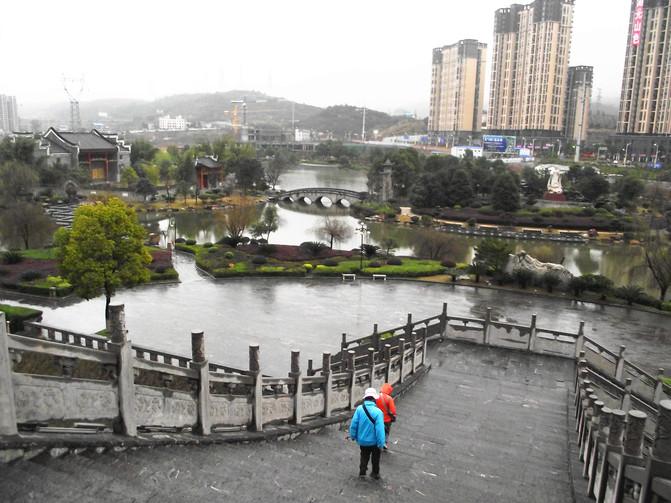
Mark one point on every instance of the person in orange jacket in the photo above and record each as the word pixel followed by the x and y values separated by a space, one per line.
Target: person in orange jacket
pixel 386 404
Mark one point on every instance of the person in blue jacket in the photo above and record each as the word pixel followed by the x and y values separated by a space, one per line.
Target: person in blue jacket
pixel 367 428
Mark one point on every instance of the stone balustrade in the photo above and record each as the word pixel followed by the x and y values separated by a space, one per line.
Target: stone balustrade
pixel 143 389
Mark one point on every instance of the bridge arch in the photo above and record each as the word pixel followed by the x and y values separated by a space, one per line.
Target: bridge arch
pixel 338 197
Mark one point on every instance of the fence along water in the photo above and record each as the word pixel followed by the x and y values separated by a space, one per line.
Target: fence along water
pixel 139 388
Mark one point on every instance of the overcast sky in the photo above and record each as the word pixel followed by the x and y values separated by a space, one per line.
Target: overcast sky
pixel 364 53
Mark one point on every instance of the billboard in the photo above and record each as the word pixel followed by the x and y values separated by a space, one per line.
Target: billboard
pixel 638 23
pixel 493 143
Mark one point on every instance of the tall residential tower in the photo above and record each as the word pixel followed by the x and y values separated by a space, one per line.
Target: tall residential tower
pixel 457 88
pixel 9 114
pixel 645 101
pixel 644 121
pixel 529 76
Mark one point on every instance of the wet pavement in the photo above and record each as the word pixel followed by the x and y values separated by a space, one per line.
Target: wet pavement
pixel 484 425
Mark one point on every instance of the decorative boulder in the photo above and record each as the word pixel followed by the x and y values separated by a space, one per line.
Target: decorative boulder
pixel 522 260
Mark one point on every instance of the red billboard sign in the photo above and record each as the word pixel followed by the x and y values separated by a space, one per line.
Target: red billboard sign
pixel 638 23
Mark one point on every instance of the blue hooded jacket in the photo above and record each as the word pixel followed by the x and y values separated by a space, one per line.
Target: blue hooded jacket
pixel 362 429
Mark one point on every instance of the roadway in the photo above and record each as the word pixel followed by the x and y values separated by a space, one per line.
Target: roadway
pixel 485 425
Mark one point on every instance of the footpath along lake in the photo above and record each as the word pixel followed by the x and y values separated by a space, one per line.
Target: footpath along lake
pixel 309 315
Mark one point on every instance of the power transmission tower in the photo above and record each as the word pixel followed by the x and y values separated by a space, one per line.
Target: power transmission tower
pixel 70 86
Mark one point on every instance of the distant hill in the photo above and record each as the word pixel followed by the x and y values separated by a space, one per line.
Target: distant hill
pixel 263 111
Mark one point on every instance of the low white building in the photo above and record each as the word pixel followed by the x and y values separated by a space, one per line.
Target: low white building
pixel 461 151
pixel 171 123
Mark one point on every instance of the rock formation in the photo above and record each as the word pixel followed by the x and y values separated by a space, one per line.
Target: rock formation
pixel 522 260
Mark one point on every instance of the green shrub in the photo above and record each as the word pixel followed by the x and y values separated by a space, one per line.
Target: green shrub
pixel 30 276
pixel 374 264
pixel 16 316
pixel 666 306
pixel 394 261
pixel 267 249
pixel 448 263
pixel 190 242
pixel 330 262
pixel 12 257
pixel 212 250
pixel 228 255
pixel 307 267
pixel 207 245
pixel 471 222
pixel 259 260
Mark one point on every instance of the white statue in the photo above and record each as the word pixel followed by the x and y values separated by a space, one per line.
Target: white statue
pixel 554 183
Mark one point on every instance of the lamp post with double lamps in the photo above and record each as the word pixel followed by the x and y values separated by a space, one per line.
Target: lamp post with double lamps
pixel 363 230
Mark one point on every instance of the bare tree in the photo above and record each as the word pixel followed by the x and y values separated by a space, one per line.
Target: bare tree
pixel 333 230
pixel 236 220
pixel 434 245
pixel 24 223
pixel 658 260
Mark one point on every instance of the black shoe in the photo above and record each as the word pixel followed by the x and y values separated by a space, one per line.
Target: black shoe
pixel 376 476
pixel 362 475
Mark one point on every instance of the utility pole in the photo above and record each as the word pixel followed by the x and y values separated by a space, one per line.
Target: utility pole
pixel 363 127
pixel 576 158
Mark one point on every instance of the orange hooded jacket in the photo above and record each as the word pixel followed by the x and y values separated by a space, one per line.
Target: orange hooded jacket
pixel 386 403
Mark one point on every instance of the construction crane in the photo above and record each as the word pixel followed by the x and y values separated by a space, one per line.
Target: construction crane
pixel 70 86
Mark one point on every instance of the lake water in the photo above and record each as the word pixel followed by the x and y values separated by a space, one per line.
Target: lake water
pixel 298 223
pixel 309 315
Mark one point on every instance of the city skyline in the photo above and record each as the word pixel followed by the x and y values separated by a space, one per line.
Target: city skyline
pixel 374 54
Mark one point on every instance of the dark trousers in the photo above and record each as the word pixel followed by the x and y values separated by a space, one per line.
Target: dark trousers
pixel 366 451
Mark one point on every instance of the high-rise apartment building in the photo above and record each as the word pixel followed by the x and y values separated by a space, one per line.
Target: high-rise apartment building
pixel 578 98
pixel 457 88
pixel 645 100
pixel 9 114
pixel 529 75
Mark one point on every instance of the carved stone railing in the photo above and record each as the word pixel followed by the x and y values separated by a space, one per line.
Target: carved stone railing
pixel 128 388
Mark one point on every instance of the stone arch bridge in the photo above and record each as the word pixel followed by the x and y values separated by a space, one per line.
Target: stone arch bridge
pixel 341 197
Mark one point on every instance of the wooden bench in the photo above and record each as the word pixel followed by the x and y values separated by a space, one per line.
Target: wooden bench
pixel 348 276
pixel 380 276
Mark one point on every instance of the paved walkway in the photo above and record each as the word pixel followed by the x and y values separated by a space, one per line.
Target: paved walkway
pixel 485 425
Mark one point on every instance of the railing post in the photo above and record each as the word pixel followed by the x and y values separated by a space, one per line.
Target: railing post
pixel 408 325
pixel 659 462
pixel 200 363
pixel 625 403
pixel 257 398
pixel 296 374
pixel 116 328
pixel 619 369
pixel 424 348
pixel 488 320
pixel 328 384
pixel 401 352
pixel 387 359
pixel 532 334
pixel 371 366
pixel 352 370
pixel 659 386
pixel 413 342
pixel 376 338
pixel 580 340
pixel 443 321
pixel 343 353
pixel 8 416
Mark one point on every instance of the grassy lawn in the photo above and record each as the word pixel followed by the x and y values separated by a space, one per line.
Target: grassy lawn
pixel 223 261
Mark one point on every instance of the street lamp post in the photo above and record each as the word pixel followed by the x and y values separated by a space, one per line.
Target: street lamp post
pixel 656 152
pixel 361 229
pixel 626 151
